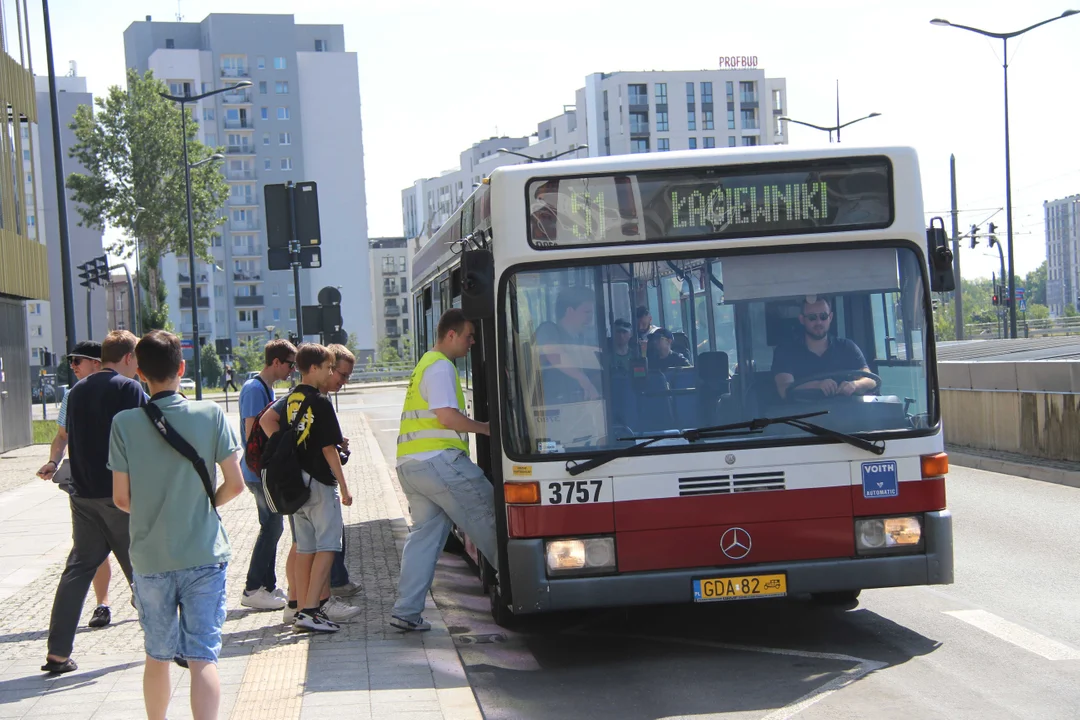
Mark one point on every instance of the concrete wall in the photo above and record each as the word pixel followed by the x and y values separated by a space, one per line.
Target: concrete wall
pixel 15 430
pixel 1031 408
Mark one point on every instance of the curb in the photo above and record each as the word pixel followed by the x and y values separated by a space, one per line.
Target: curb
pixel 1043 473
pixel 456 698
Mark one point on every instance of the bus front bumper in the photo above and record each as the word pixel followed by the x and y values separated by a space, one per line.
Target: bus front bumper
pixel 533 591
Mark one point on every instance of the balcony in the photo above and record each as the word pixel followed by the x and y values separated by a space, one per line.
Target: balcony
pixel 391 270
pixel 247 277
pixel 241 175
pixel 185 278
pixel 240 124
pixel 248 250
pixel 251 224
pixel 748 97
pixel 248 301
pixel 393 332
pixel 392 310
pixel 637 99
pixel 236 98
pixel 185 301
pixel 238 72
pixel 247 200
pixel 240 150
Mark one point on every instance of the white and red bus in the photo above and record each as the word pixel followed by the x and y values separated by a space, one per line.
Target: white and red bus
pixel 629 480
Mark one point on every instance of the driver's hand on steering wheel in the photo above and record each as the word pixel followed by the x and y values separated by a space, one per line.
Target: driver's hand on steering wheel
pixel 846 388
pixel 829 387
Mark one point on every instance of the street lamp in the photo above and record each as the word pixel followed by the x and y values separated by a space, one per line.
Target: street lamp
pixel 1004 37
pixel 184 100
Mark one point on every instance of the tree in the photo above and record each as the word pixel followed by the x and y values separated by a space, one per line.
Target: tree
pixel 1035 311
pixel 1070 310
pixel 353 343
pixel 1035 286
pixel 249 356
pixel 132 149
pixel 212 367
pixel 152 316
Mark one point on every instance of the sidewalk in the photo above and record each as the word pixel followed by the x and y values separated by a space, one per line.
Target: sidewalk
pixel 368 670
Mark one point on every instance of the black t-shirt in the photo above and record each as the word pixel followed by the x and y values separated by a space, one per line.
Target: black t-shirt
pixel 92 404
pixel 673 360
pixel 319 429
pixel 799 361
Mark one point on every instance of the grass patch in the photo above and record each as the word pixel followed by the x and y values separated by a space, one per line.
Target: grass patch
pixel 44 431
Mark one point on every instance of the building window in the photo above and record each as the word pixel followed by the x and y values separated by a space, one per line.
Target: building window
pixel 219 291
pixel 277 313
pixel 639 146
pixel 283 113
pixel 690 93
pixel 661 122
pixel 731 141
pixel 779 130
pixel 638 94
pixel 691 120
pixel 661 93
pixel 693 144
pixel 710 142
pixel 207 114
pixel 777 101
pixel 663 144
pixel 747 91
pixel 730 119
pixel 170 43
pixel 749 119
pixel 286 163
pixel 211 140
pixel 266 138
pixel 639 122
pixel 730 87
pixel 281 87
pixel 26 155
pixel 706 92
pixel 320 46
pixel 262 87
pixel 284 138
pixel 707 120
pixel 178 89
pixel 260 62
pixel 264 113
pixel 292 311
pixel 279 63
pixel 749 141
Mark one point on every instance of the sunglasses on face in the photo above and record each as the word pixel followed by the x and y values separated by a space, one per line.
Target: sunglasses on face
pixel 817 316
pixel 74 362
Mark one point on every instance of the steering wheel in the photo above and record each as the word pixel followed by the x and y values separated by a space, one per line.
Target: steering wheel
pixel 816 395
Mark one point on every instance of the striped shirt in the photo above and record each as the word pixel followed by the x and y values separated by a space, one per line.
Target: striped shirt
pixel 61 419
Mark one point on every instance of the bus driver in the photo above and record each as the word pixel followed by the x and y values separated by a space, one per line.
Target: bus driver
pixel 817 353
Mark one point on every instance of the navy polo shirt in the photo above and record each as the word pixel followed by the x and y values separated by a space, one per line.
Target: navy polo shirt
pixel 92 404
pixel 800 362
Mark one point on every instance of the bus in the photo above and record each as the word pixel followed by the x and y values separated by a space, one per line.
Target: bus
pixel 678 469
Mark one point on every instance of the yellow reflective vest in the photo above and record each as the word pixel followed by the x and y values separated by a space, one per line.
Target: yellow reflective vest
pixel 420 429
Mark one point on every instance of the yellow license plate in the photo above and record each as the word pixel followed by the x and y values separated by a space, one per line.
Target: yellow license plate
pixel 740 587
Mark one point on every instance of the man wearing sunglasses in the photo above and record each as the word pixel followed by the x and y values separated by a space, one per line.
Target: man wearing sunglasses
pixel 817 353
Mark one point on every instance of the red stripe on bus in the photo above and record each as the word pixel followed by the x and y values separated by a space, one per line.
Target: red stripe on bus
pixel 919 496
pixel 750 507
pixel 556 520
pixel 768 542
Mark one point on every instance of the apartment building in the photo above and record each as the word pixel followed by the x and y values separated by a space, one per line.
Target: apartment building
pixel 45 319
pixel 1062 253
pixel 300 121
pixel 615 114
pixel 391 268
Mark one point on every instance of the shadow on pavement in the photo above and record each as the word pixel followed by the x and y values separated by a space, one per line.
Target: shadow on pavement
pixel 36 684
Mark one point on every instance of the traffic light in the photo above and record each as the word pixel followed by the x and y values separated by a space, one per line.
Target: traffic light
pixel 974 234
pixel 995 299
pixel 101 270
pixel 85 275
pixel 325 318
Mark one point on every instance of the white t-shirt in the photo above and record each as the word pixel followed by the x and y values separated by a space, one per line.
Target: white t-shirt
pixel 437 389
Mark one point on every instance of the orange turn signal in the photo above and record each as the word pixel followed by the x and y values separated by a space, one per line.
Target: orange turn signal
pixel 522 493
pixel 934 466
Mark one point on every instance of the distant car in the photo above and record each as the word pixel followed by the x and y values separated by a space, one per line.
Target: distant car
pixel 251 375
pixel 187 384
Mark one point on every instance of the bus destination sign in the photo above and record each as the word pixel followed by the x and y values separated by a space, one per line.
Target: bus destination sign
pixel 711 202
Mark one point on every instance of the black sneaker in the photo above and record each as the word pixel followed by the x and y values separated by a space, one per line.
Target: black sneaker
pixel 102 617
pixel 315 622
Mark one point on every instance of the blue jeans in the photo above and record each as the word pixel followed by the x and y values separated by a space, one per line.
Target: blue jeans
pixel 448 489
pixel 182 611
pixel 262 570
pixel 339 574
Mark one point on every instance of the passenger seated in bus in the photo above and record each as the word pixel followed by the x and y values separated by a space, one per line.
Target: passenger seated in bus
pixel 645 328
pixel 661 356
pixel 816 352
pixel 621 355
pixel 574 309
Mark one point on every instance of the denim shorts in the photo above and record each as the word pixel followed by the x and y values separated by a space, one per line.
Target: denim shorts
pixel 317 526
pixel 182 611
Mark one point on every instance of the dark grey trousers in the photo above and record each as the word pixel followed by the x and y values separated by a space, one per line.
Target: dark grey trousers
pixel 97 528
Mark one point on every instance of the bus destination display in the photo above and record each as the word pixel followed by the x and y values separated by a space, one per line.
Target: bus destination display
pixel 696 203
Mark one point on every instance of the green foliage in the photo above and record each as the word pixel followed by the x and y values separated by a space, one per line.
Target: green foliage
pixel 1035 311
pixel 353 343
pixel 212 367
pixel 1035 286
pixel 249 356
pixel 64 376
pixel 132 149
pixel 153 316
pixel 386 355
pixel 1070 311
pixel 44 431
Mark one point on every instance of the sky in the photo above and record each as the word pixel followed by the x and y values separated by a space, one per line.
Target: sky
pixel 436 77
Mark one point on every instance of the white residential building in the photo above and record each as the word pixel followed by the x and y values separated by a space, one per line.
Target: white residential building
pixel 391 268
pixel 1062 253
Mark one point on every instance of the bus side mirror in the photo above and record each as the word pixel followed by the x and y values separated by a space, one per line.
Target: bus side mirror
pixel 477 284
pixel 941 257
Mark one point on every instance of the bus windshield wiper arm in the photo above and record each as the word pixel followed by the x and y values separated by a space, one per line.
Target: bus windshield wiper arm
pixel 579 467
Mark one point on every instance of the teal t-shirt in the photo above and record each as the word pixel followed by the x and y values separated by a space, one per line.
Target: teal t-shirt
pixel 173 525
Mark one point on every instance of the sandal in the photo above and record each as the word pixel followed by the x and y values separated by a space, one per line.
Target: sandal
pixel 58 668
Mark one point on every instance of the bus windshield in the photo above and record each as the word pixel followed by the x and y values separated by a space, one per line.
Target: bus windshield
pixel 598 355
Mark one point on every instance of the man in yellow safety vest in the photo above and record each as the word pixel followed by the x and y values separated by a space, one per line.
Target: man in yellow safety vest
pixel 442 484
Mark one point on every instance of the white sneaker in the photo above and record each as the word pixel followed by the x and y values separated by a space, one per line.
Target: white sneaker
pixel 262 600
pixel 317 622
pixel 347 590
pixel 279 593
pixel 338 610
pixel 288 615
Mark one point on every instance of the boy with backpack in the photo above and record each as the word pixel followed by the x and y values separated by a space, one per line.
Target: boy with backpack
pixel 261 591
pixel 317 524
pixel 162 458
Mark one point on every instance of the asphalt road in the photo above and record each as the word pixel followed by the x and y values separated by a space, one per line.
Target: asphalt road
pixel 1002 642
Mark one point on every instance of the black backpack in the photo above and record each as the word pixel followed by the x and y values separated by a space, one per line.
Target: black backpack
pixel 283 479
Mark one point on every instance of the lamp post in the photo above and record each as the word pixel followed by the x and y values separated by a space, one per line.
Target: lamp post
pixel 1004 37
pixel 184 100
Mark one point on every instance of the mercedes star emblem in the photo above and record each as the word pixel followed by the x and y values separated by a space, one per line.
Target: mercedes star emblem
pixel 729 459
pixel 736 543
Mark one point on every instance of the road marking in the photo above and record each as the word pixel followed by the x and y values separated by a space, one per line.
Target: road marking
pixel 847 677
pixel 1018 635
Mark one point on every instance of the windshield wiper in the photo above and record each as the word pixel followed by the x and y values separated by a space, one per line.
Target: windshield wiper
pixel 754 426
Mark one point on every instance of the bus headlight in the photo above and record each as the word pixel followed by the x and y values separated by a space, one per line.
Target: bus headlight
pixel 876 535
pixel 580 556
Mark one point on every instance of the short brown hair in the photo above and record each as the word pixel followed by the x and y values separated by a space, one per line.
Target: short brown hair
pixel 117 345
pixel 159 356
pixel 278 349
pixel 309 355
pixel 453 319
pixel 340 352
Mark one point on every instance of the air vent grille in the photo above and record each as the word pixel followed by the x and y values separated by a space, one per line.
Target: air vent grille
pixel 730 483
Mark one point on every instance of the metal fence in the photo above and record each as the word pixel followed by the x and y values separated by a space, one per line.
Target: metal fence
pixel 1049 327
pixel 381 372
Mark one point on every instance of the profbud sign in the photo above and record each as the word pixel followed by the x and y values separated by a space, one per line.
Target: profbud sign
pixel 738 62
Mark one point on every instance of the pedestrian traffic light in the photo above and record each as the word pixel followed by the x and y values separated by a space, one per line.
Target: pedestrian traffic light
pixel 994 298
